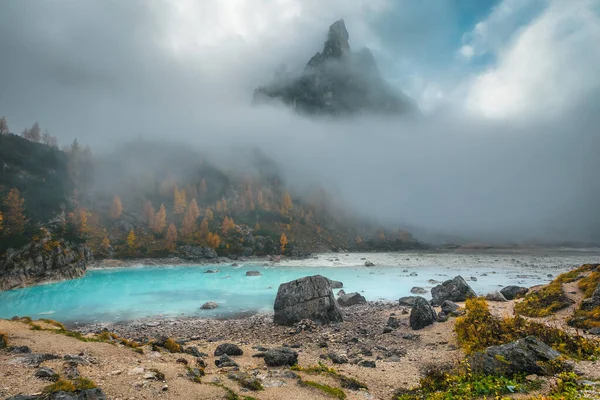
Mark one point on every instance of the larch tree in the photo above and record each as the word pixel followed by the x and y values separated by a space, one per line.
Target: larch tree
pixel 171 237
pixel 283 241
pixel 160 221
pixel 4 126
pixel 259 199
pixel 286 202
pixel 188 225
pixel 1 218
pixel 116 208
pixel 209 214
pixel 179 202
pixel 203 232
pixel 15 219
pixel 256 226
pixel 33 134
pixel 106 244
pixel 213 240
pixel 227 225
pixel 131 241
pixel 193 209
pixel 148 214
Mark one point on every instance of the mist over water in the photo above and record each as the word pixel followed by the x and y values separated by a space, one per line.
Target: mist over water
pixel 500 155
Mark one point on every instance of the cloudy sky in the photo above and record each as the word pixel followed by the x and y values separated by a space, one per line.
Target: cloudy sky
pixel 508 89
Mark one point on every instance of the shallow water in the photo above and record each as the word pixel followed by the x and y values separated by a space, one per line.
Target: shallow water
pixel 125 294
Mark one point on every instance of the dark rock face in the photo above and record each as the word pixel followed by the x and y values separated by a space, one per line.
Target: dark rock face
pixel 225 361
pixel 335 358
pixel 228 348
pixel 46 373
pixel 350 299
pixel 408 301
pixel 337 81
pixel 197 253
pixel 335 284
pixel 511 292
pixel 422 314
pixel 90 394
pixel 306 298
pixel 280 357
pixel 592 302
pixel 455 289
pixel 449 307
pixel 43 260
pixel 524 356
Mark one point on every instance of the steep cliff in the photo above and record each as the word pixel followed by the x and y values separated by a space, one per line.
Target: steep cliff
pixel 43 259
pixel 337 81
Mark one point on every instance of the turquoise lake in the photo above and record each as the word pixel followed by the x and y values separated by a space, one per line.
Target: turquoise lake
pixel 110 295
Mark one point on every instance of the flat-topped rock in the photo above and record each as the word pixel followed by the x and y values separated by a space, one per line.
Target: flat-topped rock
pixel 456 289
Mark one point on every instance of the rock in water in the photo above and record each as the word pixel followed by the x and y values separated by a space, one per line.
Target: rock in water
pixel 422 314
pixel 306 298
pixel 524 356
pixel 495 296
pixel 455 289
pixel 253 273
pixel 350 299
pixel 338 81
pixel 280 357
pixel 418 290
pixel 209 305
pixel 511 292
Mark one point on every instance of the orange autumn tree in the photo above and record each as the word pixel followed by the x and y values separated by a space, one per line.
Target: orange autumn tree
pixel 131 241
pixel 193 209
pixel 286 202
pixel 15 219
pixel 1 218
pixel 188 226
pixel 213 240
pixel 179 201
pixel 203 231
pixel 160 220
pixel 283 241
pixel 116 208
pixel 227 225
pixel 209 214
pixel 171 237
pixel 106 244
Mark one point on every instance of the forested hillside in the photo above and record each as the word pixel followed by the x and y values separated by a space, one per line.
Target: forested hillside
pixel 153 199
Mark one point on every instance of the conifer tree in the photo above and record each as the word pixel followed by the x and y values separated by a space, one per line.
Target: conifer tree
pixel 203 232
pixel 213 240
pixel 131 241
pixel 193 209
pixel 286 203
pixel 188 226
pixel 171 237
pixel 179 201
pixel 148 213
pixel 116 209
pixel 160 221
pixel 4 126
pixel 15 219
pixel 283 241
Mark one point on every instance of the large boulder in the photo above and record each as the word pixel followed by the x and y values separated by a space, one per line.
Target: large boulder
pixel 43 259
pixel 455 289
pixel 280 357
pixel 306 298
pixel 511 292
pixel 524 356
pixel 335 284
pixel 350 299
pixel 422 314
pixel 228 348
pixel 592 302
pixel 495 296
pixel 408 301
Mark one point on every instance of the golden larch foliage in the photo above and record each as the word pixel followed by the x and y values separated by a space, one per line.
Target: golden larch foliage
pixel 209 214
pixel 256 226
pixel 203 232
pixel 179 201
pixel 148 213
pixel 227 225
pixel 116 209
pixel 188 225
pixel 1 219
pixel 106 243
pixel 213 240
pixel 171 237
pixel 283 241
pixel 358 240
pixel 14 218
pixel 131 241
pixel 286 202
pixel 193 209
pixel 160 220
pixel 381 236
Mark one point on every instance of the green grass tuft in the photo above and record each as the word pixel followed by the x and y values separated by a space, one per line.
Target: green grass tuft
pixel 328 390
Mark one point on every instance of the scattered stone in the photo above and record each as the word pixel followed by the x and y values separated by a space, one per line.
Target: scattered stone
pixel 387 329
pixel 76 360
pixel 335 358
pixel 495 296
pixel 449 307
pixel 195 374
pixel 418 290
pixel 279 357
pixel 193 350
pixel 511 292
pixel 253 273
pixel 369 264
pixel 341 292
pixel 19 350
pixel 182 361
pixel 351 299
pixel 211 271
pixel 200 362
pixel 367 364
pixel 393 322
pixel 453 289
pixel 408 301
pixel 306 298
pixel 414 274
pixel 594 331
pixel 46 373
pixel 524 356
pixel 433 282
pixel 228 348
pixel 209 305
pixel 225 362
pixel 474 279
pixel 70 370
pixel 422 314
pixel 442 317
